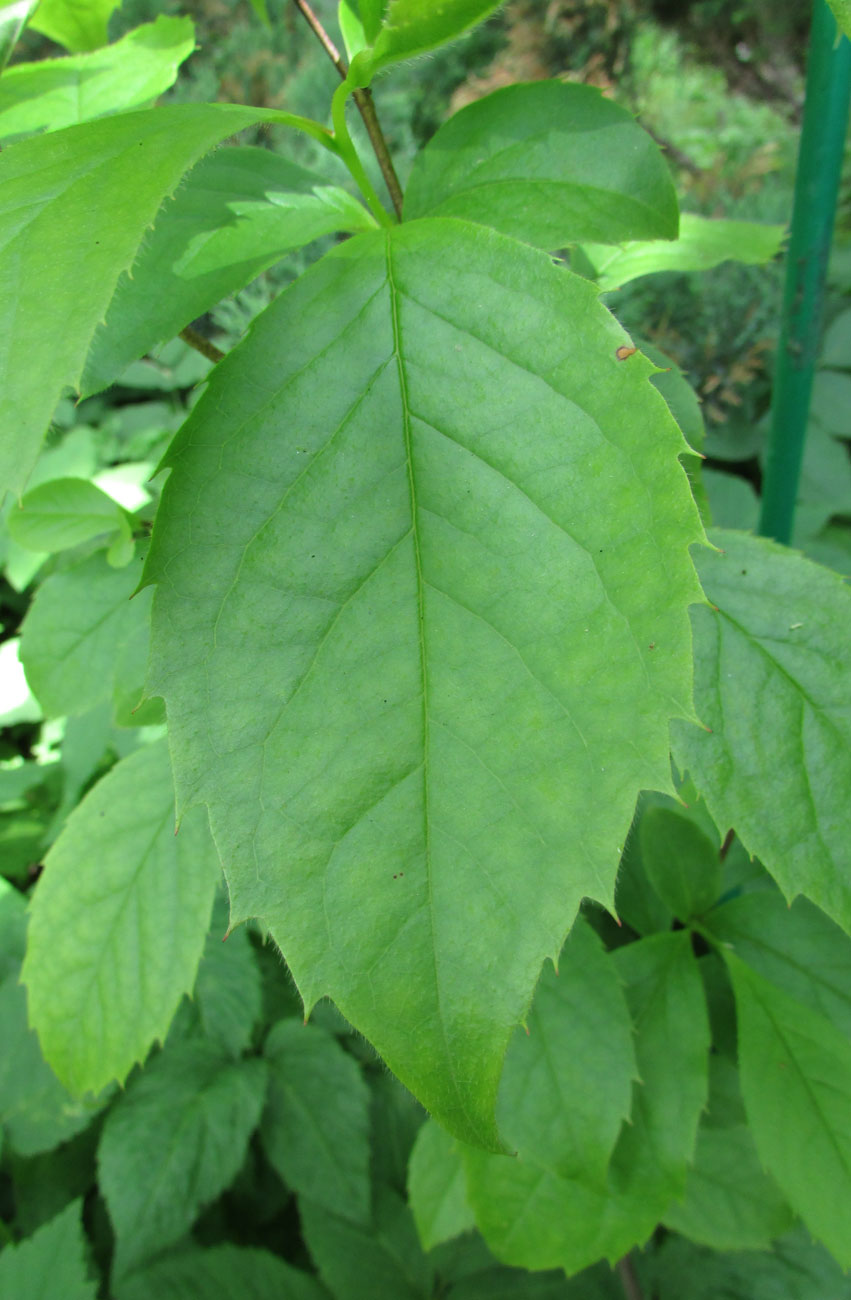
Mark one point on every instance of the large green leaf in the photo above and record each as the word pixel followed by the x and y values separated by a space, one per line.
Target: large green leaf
pixel 174 1142
pixel 442 576
pixel 316 1124
pixel 74 207
pixel 51 1263
pixel 437 1187
pixel 796 1082
pixel 76 24
pixel 213 1274
pixel 797 948
pixel 129 74
pixel 362 1262
pixel 772 667
pixel 550 163
pixel 118 923
pixel 703 242
pixel 534 1218
pixel 236 213
pixel 410 27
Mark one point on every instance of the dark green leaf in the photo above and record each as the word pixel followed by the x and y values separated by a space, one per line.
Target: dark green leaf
pixel 550 163
pixel 682 864
pixel 118 922
pixel 225 1271
pixel 437 1190
pixel 423 569
pixel 796 1082
pixel 772 667
pixel 364 1262
pixel 129 74
pixel 173 1142
pixel 236 213
pixel 49 1264
pixel 316 1124
pixel 227 990
pixel 795 1270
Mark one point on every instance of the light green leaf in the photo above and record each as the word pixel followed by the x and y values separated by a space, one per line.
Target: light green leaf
pixel 772 668
pixel 842 14
pixel 259 7
pixel 682 863
pixel 362 1263
pixel 86 193
pixel 730 1203
pixel 79 624
pixel 831 398
pixel 13 20
pixel 732 500
pixel 316 1125
pixel 351 27
pixel 372 15
pixel 227 990
pixel 64 513
pixel 128 74
pixel 550 163
pixel 437 1188
pixel 797 948
pixel 76 24
pixel 533 1218
pixel 411 27
pixel 173 1142
pixel 424 569
pixel 703 242
pixel 236 213
pixel 836 346
pixel 223 1271
pixel 35 1110
pixel 796 1083
pixel 51 1263
pixel 13 928
pixel 118 923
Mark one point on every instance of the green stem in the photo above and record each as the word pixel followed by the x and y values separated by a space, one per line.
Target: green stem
pixel 349 155
pixel 816 188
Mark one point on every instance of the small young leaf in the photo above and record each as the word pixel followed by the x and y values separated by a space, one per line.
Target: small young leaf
pixel 363 1262
pixel 400 29
pixel 73 638
pixel 63 513
pixel 129 74
pixel 682 864
pixel 173 1142
pixel 236 213
pixel 796 1083
pixel 550 163
pixel 224 1271
pixel 772 665
pixel 51 1263
pixel 437 1187
pixel 405 714
pixel 703 242
pixel 77 26
pixel 118 923
pixel 316 1124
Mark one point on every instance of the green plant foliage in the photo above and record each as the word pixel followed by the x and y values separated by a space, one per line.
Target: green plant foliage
pixel 702 243
pixel 228 991
pixel 359 1262
pixel 128 74
pixel 315 1127
pixel 548 163
pixel 842 14
pixel 173 1141
pixel 13 19
pixel 410 27
pixel 236 213
pixel 771 674
pixel 121 167
pixel 51 1262
pixel 79 25
pixel 118 923
pixel 384 583
pixel 795 1069
pixel 221 1271
pixel 681 862
pixel 437 1187
pixel 796 1269
pixel 63 513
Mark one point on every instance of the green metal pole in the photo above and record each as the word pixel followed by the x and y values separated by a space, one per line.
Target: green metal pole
pixel 816 189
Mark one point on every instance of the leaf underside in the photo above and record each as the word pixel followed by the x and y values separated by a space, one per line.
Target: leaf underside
pixel 404 651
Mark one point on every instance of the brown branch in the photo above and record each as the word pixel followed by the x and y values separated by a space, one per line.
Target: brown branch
pixel 725 847
pixel 365 106
pixel 200 344
pixel 628 1280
